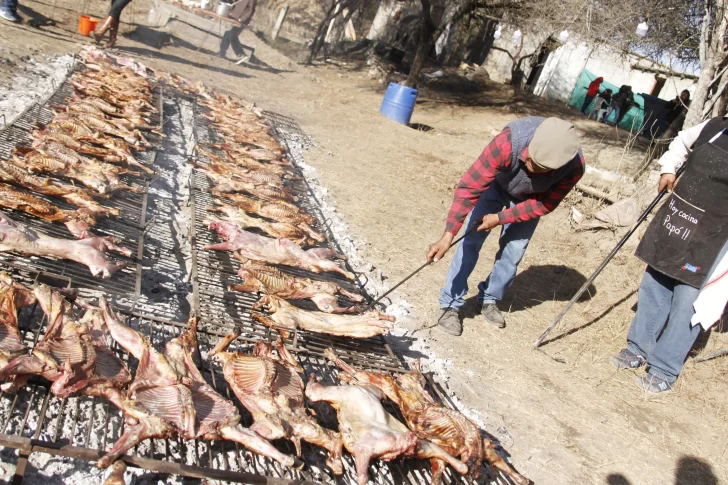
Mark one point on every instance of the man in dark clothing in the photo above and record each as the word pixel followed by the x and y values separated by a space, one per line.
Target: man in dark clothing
pixel 674 110
pixel 627 103
pixel 591 93
pixel 242 12
pixel 522 175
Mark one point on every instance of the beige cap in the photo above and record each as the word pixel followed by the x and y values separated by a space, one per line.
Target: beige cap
pixel 554 144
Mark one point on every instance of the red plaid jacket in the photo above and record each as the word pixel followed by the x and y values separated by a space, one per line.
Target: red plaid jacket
pixel 496 156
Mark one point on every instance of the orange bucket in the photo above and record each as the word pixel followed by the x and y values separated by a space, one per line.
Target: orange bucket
pixel 84 25
pixel 94 21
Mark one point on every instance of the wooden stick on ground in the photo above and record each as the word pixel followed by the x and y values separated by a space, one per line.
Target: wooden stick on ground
pixel 711 356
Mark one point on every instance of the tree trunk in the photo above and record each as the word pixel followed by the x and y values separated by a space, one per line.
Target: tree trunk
pixel 719 108
pixel 702 89
pixel 320 38
pixel 424 45
pixel 712 57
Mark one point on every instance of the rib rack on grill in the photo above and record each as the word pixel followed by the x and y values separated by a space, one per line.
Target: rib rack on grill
pixel 73 354
pixel 270 388
pixel 259 277
pixel 70 193
pixel 13 297
pixel 169 395
pixel 299 232
pixel 78 222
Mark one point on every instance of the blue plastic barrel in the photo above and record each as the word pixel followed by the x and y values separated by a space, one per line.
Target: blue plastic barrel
pixel 399 103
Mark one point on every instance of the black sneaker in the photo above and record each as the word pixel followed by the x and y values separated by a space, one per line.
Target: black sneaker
pixel 626 359
pixel 492 315
pixel 449 322
pixel 653 384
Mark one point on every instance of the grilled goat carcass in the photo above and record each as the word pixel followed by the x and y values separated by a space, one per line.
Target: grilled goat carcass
pixel 369 431
pixel 279 210
pixel 13 297
pixel 96 124
pixel 100 177
pixel 89 251
pixel 78 222
pixel 169 389
pixel 288 317
pixel 260 154
pixel 110 149
pixel 272 391
pixel 224 184
pixel 70 193
pixel 300 232
pixel 445 427
pixel 275 251
pixel 258 277
pixel 240 160
pixel 72 354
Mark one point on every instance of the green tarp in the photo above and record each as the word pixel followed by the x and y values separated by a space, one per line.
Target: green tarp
pixel 632 120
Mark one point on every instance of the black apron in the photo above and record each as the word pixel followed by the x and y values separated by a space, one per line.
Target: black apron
pixel 690 229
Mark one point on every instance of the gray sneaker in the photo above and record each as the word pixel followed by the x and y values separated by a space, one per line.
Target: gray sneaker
pixel 449 322
pixel 653 384
pixel 492 315
pixel 9 15
pixel 626 359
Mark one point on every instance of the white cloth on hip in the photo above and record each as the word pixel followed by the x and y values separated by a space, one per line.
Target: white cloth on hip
pixel 713 296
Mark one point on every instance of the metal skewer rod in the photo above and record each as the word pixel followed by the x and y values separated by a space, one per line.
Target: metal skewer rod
pixel 606 261
pixel 372 304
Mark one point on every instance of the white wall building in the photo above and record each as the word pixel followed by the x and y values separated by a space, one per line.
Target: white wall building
pixel 563 66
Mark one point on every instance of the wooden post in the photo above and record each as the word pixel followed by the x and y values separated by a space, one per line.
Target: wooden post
pixel 279 22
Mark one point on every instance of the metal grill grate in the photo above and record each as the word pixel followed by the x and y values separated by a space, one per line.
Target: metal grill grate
pixel 128 227
pixel 35 421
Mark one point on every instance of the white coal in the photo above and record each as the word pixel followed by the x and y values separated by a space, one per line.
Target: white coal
pixel 38 81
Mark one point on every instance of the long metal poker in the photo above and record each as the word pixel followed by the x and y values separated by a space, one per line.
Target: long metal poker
pixel 606 261
pixel 371 305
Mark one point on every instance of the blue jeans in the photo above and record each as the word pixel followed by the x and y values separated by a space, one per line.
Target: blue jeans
pixel 11 5
pixel 661 330
pixel 513 242
pixel 609 112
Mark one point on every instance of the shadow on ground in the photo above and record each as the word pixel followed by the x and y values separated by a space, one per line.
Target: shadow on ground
pixel 690 471
pixel 534 286
pixel 141 51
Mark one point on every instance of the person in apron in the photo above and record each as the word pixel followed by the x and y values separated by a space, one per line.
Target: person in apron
pixel 681 245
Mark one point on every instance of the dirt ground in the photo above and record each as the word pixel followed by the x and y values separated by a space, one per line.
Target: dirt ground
pixel 578 422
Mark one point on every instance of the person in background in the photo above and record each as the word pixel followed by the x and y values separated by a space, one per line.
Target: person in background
pixel 9 11
pixel 591 92
pixel 627 103
pixel 616 105
pixel 601 103
pixel 674 109
pixel 111 23
pixel 523 174
pixel 242 12
pixel 682 246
